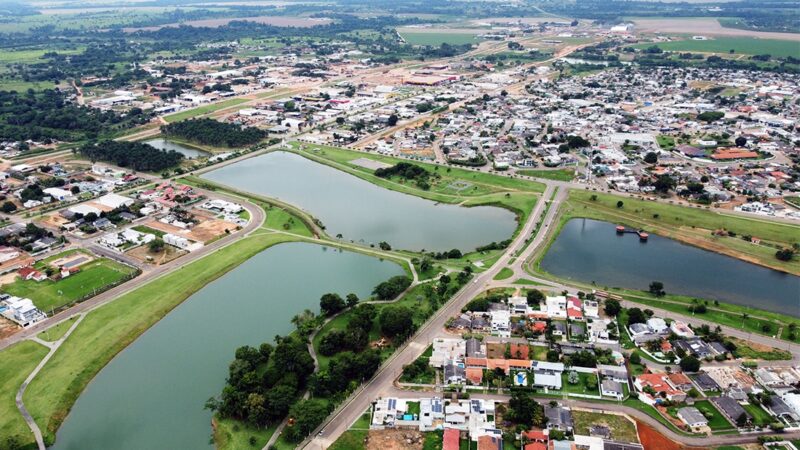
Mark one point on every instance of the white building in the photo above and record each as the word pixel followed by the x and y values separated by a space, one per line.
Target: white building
pixel 22 311
pixel 58 194
pixel 657 325
pixel 446 349
pixel 556 307
pixel 114 201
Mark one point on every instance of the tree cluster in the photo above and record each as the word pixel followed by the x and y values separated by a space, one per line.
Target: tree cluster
pixel 135 155
pixel 214 133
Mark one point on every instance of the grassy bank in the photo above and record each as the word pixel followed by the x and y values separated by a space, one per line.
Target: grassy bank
pixel 18 361
pixel 108 330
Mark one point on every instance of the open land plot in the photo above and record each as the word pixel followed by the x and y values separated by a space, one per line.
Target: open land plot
pixel 19 360
pixel 557 174
pixel 691 225
pixel 739 45
pixel 622 429
pixel 703 26
pixel 92 278
pixel 109 329
pixel 202 110
pixel 55 333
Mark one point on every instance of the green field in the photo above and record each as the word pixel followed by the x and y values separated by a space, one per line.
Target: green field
pixel 740 45
pixel 230 434
pixel 18 361
pixel 760 416
pixel 147 230
pixel 557 174
pixel 93 277
pixel 203 110
pixel 579 388
pixel 437 39
pixel 55 333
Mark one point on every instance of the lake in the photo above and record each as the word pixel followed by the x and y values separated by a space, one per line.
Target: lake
pixel 590 250
pixel 364 212
pixel 187 151
pixel 151 396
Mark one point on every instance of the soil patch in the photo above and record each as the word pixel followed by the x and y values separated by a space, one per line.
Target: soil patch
pixel 394 440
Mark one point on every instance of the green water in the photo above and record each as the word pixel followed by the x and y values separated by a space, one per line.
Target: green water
pixel 151 395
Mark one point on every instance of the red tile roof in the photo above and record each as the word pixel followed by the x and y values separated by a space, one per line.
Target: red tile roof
pixel 452 438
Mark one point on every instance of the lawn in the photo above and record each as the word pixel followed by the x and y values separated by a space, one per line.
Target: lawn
pixel 579 388
pixel 437 39
pixel 147 230
pixel 665 142
pixel 53 334
pixel 760 416
pixel 717 422
pixel 740 45
pixel 557 174
pixel 109 329
pixel 622 429
pixel 350 440
pixel 504 274
pixel 93 277
pixel 19 360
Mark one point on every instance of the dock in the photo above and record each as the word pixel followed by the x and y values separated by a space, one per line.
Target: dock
pixel 641 233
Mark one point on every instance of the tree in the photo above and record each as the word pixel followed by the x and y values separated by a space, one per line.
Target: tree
pixel 657 288
pixel 690 364
pixel 534 297
pixel 651 158
pixel 9 207
pixel 553 356
pixel 636 315
pixel 351 300
pixel 395 321
pixel 710 116
pixel 307 415
pixel 620 204
pixel 384 246
pixel 740 141
pixel 524 410
pixel 573 377
pixel 635 358
pixel 392 287
pixel 331 304
pixel 612 307
pixel 392 120
pixel 156 245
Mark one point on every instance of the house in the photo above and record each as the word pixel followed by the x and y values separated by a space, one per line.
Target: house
pixel 656 383
pixel 556 307
pixel 387 410
pixel 547 374
pixel 176 241
pixel 451 439
pixel 695 346
pixel 693 418
pixel 639 329
pixel 474 375
pixel 616 373
pixel 431 413
pixel 731 409
pixel 454 373
pixel 559 329
pixel 591 308
pixel 574 308
pixel 114 201
pixel 558 418
pixel 705 382
pixel 779 408
pixel 657 325
pixel 680 381
pixel 447 350
pixel 58 194
pixel 8 253
pixel 490 442
pixel 611 388
pixel 29 273
pixel 681 329
pixel 501 322
pixel 22 311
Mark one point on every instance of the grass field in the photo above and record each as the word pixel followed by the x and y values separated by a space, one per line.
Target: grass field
pixel 691 225
pixel 760 416
pixel 53 334
pixel 108 330
pixel 18 361
pixel 740 45
pixel 436 39
pixel 557 174
pixel 202 110
pixel 93 277
pixel 504 274
pixel 580 387
pixel 622 429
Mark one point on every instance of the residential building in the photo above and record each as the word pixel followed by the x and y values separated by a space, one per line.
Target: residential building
pixel 693 418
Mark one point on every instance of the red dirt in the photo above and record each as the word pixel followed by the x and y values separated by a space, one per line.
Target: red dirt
pixel 650 438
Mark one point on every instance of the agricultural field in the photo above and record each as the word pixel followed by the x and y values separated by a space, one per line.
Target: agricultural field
pixel 739 45
pixel 93 277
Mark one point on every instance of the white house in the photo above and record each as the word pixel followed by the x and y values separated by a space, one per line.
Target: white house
pixel 58 194
pixel 547 374
pixel 176 241
pixel 501 323
pixel 556 307
pixel 114 201
pixel 611 388
pixel 447 349
pixel 657 325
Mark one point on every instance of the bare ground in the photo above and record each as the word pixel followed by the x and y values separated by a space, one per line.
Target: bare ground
pixel 394 440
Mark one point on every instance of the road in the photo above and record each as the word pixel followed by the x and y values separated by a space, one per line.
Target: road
pixel 339 422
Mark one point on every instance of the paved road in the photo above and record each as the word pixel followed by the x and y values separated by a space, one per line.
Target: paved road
pixel 339 422
pixel 257 217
